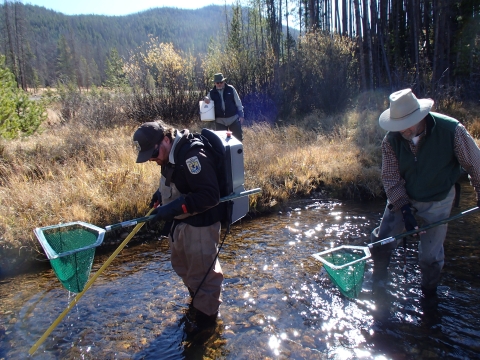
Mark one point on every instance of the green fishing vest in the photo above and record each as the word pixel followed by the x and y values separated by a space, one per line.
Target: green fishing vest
pixel 430 174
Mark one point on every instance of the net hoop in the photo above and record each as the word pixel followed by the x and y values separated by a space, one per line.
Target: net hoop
pixel 322 259
pixel 52 254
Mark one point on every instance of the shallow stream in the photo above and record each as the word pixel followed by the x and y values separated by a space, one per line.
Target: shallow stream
pixel 278 303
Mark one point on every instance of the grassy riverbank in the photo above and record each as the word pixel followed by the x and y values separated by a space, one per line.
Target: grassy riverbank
pixel 70 172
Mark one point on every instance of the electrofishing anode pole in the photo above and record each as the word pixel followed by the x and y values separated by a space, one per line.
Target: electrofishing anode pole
pixel 129 223
pixel 421 229
pixel 339 266
pixel 139 223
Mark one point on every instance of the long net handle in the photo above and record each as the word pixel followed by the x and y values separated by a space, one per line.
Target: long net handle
pixel 87 286
pixel 423 228
pixel 148 218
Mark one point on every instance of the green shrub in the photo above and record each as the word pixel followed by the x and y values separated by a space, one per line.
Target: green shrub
pixel 18 114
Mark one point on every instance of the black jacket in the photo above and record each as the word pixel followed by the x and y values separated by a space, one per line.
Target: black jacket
pixel 194 175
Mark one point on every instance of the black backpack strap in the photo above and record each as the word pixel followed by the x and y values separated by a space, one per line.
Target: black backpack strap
pixel 184 146
pixel 214 143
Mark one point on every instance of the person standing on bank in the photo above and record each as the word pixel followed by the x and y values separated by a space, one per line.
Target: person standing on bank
pixel 190 196
pixel 228 107
pixel 423 154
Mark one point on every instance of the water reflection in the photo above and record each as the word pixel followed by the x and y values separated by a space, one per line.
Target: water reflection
pixel 277 300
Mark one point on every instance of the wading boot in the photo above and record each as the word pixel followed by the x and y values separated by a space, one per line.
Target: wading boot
pixel 379 278
pixel 198 322
pixel 429 304
pixel 429 293
pixel 205 321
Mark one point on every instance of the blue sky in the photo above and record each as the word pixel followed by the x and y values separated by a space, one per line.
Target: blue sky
pixel 119 7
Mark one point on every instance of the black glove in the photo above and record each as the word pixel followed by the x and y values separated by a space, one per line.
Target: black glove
pixel 169 211
pixel 478 202
pixel 408 218
pixel 156 199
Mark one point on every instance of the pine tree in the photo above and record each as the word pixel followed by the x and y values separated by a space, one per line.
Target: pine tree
pixel 18 114
pixel 65 62
pixel 94 73
pixel 116 77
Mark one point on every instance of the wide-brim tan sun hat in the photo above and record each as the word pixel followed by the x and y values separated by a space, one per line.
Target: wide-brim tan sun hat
pixel 405 111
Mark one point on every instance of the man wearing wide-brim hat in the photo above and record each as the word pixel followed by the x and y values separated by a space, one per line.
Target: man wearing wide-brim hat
pixel 228 106
pixel 423 154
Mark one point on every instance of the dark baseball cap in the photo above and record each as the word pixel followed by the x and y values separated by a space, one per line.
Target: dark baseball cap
pixel 145 138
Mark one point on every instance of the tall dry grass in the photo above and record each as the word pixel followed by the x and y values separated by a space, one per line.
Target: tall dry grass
pixel 71 172
pixel 290 162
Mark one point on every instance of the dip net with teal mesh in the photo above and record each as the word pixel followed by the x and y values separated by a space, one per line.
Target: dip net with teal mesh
pixel 71 249
pixel 345 266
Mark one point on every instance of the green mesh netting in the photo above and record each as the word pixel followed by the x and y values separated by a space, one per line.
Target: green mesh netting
pixel 350 278
pixel 71 250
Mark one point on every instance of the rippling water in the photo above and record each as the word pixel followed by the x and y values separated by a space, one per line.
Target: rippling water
pixel 277 300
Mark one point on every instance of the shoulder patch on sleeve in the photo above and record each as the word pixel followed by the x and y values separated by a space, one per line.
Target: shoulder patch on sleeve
pixel 193 165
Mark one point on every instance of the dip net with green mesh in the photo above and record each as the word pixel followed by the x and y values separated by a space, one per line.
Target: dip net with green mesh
pixel 70 248
pixel 345 266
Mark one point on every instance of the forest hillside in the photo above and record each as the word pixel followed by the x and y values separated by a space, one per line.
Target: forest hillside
pixel 287 60
pixel 45 34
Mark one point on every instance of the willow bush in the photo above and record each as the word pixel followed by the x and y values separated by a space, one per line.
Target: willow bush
pixel 163 84
pixel 96 109
pixel 325 73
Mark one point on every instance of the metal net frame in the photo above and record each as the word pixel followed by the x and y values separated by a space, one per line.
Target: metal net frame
pixel 70 248
pixel 345 266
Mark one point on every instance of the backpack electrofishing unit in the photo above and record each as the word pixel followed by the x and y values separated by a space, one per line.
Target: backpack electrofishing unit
pixel 228 152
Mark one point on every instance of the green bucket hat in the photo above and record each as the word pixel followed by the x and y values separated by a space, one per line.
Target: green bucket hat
pixel 219 78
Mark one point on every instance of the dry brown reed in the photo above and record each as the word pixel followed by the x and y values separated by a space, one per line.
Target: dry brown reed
pixel 289 162
pixel 72 173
